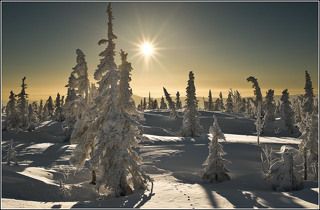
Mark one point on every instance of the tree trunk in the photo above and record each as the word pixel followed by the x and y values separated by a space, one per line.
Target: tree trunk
pixel 94 178
pixel 305 164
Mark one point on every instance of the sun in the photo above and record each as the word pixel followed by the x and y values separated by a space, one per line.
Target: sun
pixel 147 49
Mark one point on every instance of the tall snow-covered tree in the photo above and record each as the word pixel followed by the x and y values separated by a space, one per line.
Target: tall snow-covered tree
pixel 287 113
pixel 172 106
pixel 78 79
pixel 229 103
pixel 269 106
pixel 215 170
pixel 22 106
pixel 163 104
pixel 178 101
pixel 308 95
pixel 114 130
pixel 237 101
pixel 12 118
pixel 258 103
pixel 210 101
pixel 191 122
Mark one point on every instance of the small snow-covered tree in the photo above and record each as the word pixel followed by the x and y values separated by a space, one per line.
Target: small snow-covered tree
pixel 215 170
pixel 40 112
pixel 284 174
pixel 22 106
pixel 191 122
pixel 58 113
pixel 172 106
pixel 308 96
pixel 114 129
pixel 50 107
pixel 144 103
pixel 155 104
pixel 269 106
pixel 12 118
pixel 229 103
pixel 150 102
pixel 210 102
pixel 163 104
pixel 33 118
pixel 287 113
pixel 221 107
pixel 11 154
pixel 178 101
pixel 258 103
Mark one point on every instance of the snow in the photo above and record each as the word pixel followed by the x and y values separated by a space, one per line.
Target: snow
pixel 175 164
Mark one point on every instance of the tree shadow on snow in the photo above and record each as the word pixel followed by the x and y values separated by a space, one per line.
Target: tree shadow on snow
pixel 136 200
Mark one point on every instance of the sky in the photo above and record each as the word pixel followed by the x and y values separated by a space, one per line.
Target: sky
pixel 222 43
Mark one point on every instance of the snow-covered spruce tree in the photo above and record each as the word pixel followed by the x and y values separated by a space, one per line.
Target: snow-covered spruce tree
pixel 191 122
pixel 243 106
pixel 11 154
pixel 58 113
pixel 229 103
pixel 144 103
pixel 40 112
pixel 33 118
pixel 172 106
pixel 284 174
pixel 269 106
pixel 22 106
pixel 163 104
pixel 297 109
pixel 308 95
pixel 221 107
pixel 287 113
pixel 155 104
pixel 210 102
pixel 258 103
pixel 178 101
pixel 150 102
pixel 309 145
pixel 50 107
pixel 115 129
pixel 237 101
pixel 12 118
pixel 215 170
pixel 78 79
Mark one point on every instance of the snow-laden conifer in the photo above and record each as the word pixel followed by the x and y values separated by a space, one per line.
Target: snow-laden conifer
pixel 229 103
pixel 12 118
pixel 163 104
pixel 269 106
pixel 308 98
pixel 210 101
pixel 258 103
pixel 178 101
pixel 215 170
pixel 191 122
pixel 172 106
pixel 286 111
pixel 22 106
pixel 114 129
